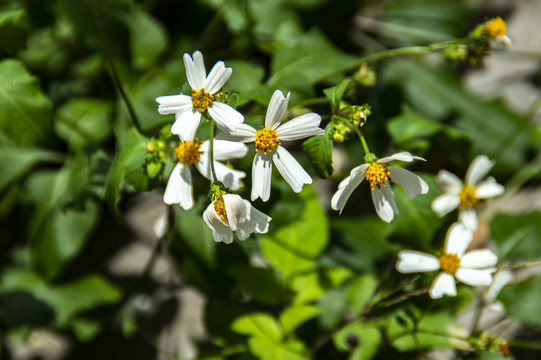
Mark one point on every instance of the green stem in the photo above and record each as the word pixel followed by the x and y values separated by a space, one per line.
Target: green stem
pixel 212 126
pixel 357 131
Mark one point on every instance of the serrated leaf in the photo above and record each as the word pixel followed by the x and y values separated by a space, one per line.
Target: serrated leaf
pixel 334 94
pixel 258 325
pixel 294 316
pixel 25 113
pixel 267 349
pixel 318 150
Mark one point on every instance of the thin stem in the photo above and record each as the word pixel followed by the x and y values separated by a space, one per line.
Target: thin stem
pixel 112 69
pixel 479 306
pixel 212 126
pixel 357 131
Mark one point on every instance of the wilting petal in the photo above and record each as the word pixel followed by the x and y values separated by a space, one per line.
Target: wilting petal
pixel 413 261
pixel 186 124
pixel 225 116
pixel 346 187
pixel 449 182
pixel 444 204
pixel 276 109
pixel 217 77
pixel 479 259
pixel 172 104
pixel 300 127
pixel 384 202
pixel 444 284
pixel 412 184
pixel 290 169
pixel 489 188
pixel 458 239
pixel 479 167
pixel 475 277
pixel 261 176
pixel 468 217
pixel 179 187
pixel 195 70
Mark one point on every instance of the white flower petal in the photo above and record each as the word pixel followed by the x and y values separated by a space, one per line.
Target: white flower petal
pixel 500 279
pixel 229 177
pixel 458 239
pixel 384 202
pixel 243 133
pixel 236 210
pixel 220 230
pixel 195 70
pixel 479 167
pixel 479 259
pixel 347 186
pixel 402 156
pixel 300 127
pixel 475 277
pixel 276 109
pixel 290 169
pixel 449 182
pixel 504 39
pixel 413 261
pixel 258 218
pixel 444 284
pixel 217 77
pixel 261 176
pixel 225 150
pixel 489 188
pixel 172 104
pixel 444 204
pixel 179 187
pixel 468 217
pixel 186 124
pixel 412 184
pixel 225 116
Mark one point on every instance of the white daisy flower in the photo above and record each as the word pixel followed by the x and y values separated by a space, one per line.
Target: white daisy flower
pixel 232 213
pixel 466 196
pixel 268 146
pixel 188 109
pixel 474 268
pixel 379 175
pixel 497 31
pixel 179 185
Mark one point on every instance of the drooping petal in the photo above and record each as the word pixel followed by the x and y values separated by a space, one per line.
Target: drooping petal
pixel 276 110
pixel 225 116
pixel 300 127
pixel 444 284
pixel 217 77
pixel 290 169
pixel 186 124
pixel 220 230
pixel 444 204
pixel 179 187
pixel 410 261
pixel 384 202
pixel 347 186
pixel 236 210
pixel 412 184
pixel 449 182
pixel 468 217
pixel 229 177
pixel 172 104
pixel 195 70
pixel 479 167
pixel 243 133
pixel 225 150
pixel 458 239
pixel 499 280
pixel 402 156
pixel 479 259
pixel 261 176
pixel 475 277
pixel 258 218
pixel 489 188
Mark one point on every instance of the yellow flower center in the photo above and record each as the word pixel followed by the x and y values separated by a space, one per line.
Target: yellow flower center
pixel 377 174
pixel 188 152
pixel 495 27
pixel 449 263
pixel 219 207
pixel 467 197
pixel 201 99
pixel 266 140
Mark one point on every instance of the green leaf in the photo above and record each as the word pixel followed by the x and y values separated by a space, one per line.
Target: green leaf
pixel 267 349
pixel 260 284
pixel 258 325
pixel 334 94
pixel 318 150
pixel 332 307
pixel 522 301
pixel 25 113
pixel 517 236
pixel 148 39
pixel 294 316
pixel 13 29
pixel 362 340
pixel 246 76
pixel 83 121
pixel 360 292
pixel 295 247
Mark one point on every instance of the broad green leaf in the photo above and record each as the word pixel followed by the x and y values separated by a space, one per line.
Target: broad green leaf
pixel 360 292
pixel 307 288
pixel 13 29
pixel 295 247
pixel 522 301
pixel 332 306
pixel 84 121
pixel 25 113
pixel 246 76
pixel 148 39
pixel 267 349
pixel 334 94
pixel 260 284
pixel 362 340
pixel 517 236
pixel 294 316
pixel 258 325
pixel 318 150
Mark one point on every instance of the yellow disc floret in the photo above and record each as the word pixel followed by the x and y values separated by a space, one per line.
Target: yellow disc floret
pixel 495 27
pixel 377 174
pixel 266 140
pixel 188 152
pixel 201 99
pixel 449 263
pixel 219 207
pixel 467 197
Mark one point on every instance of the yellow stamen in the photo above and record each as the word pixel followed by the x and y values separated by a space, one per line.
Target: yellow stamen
pixel 266 140
pixel 449 263
pixel 188 152
pixel 467 197
pixel 495 27
pixel 377 174
pixel 219 207
pixel 201 99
